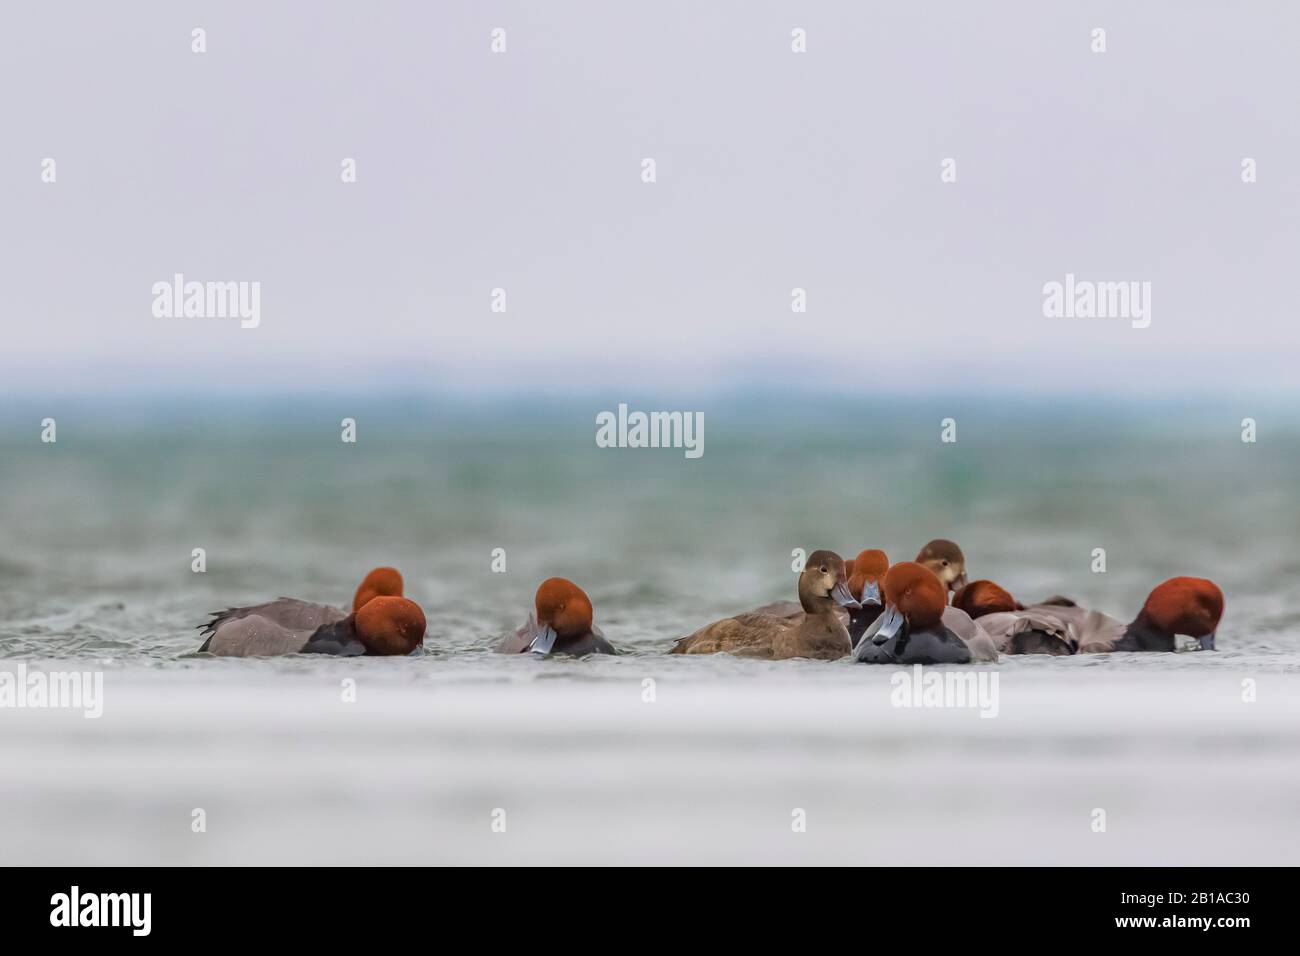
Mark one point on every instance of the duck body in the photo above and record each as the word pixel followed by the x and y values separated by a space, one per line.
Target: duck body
pixel 770 637
pixel 786 610
pixel 983 649
pixel 575 645
pixel 282 626
pixel 753 634
pixel 777 631
pixel 931 645
pixel 855 621
pixel 1056 626
pixel 593 642
pixel 1030 632
pixel 1087 631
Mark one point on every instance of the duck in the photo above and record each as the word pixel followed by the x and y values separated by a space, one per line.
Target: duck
pixel 985 597
pixel 1186 606
pixel 946 560
pixel 1057 625
pixel 819 633
pixel 869 569
pixel 1014 628
pixel 918 625
pixel 561 623
pixel 381 622
pixel 863 574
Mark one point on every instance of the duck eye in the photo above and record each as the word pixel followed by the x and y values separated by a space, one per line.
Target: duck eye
pixel 945 564
pixel 823 569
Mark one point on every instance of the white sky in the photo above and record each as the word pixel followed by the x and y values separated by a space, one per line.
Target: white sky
pixel 775 170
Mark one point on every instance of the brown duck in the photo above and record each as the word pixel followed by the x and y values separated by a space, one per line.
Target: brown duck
pixel 818 634
pixel 946 560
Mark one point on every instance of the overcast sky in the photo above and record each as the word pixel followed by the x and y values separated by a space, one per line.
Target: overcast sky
pixel 775 170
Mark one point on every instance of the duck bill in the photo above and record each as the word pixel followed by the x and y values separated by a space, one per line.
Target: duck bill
pixel 870 594
pixel 541 637
pixel 843 597
pixel 958 583
pixel 1207 641
pixel 891 622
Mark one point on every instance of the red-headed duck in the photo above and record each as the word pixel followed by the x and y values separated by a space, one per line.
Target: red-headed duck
pixel 869 569
pixel 384 626
pixel 1014 628
pixel 561 624
pixel 818 634
pixel 985 597
pixel 381 582
pixel 946 560
pixel 1188 606
pixel 919 627
pixel 381 622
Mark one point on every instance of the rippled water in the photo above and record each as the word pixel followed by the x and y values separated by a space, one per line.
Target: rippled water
pixel 98 531
pixel 99 528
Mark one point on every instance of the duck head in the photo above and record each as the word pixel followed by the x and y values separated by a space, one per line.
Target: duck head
pixel 914 600
pixel 563 610
pixel 823 583
pixel 1188 606
pixel 945 559
pixel 865 572
pixel 390 625
pixel 381 582
pixel 984 597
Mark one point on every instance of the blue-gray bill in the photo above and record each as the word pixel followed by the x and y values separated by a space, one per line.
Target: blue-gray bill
pixel 842 595
pixel 891 622
pixel 541 637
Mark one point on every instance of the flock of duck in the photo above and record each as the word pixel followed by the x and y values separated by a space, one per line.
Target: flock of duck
pixel 913 612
